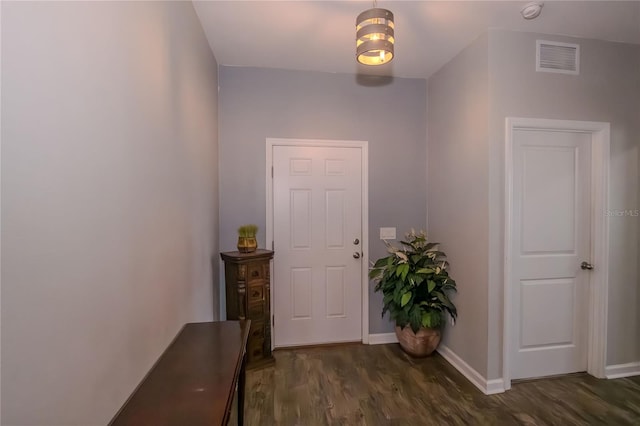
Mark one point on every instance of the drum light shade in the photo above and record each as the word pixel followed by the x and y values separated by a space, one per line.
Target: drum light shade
pixel 374 37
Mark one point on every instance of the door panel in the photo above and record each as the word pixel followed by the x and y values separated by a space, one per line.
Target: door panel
pixel 334 224
pixel 548 200
pixel 317 199
pixel 538 330
pixel 335 284
pixel 551 236
pixel 301 285
pixel 300 218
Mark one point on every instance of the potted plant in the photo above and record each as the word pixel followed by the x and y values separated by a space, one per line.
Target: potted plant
pixel 415 284
pixel 247 238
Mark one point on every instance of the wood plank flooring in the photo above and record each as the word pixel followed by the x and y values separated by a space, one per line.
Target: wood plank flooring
pixel 380 385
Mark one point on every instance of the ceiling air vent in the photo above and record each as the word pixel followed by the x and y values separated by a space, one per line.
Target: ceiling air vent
pixel 553 56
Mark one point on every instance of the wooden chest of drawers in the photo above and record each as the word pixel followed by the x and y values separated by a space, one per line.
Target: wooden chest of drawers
pixel 248 296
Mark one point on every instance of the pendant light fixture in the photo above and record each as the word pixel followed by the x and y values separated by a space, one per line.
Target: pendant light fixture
pixel 374 36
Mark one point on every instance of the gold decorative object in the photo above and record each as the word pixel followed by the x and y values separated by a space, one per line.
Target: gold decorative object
pixel 247 244
pixel 247 238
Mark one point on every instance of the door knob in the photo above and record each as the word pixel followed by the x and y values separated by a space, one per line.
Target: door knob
pixel 356 255
pixel 356 242
pixel 586 265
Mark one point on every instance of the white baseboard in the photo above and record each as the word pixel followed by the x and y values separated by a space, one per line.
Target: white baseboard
pixel 494 386
pixel 382 338
pixel 619 371
pixel 488 387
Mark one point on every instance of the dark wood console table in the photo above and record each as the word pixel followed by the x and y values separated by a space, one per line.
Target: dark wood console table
pixel 194 381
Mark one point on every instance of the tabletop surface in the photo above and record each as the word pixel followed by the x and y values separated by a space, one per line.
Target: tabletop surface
pixel 240 257
pixel 193 382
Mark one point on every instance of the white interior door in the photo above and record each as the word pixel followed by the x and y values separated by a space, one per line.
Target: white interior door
pixel 317 230
pixel 550 238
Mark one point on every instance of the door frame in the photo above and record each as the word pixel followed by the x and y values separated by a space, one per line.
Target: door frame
pixel 599 277
pixel 364 153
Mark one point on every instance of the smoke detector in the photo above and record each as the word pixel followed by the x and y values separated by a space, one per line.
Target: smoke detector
pixel 531 10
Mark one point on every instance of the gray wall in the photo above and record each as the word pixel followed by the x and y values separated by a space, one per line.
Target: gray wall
pixel 607 89
pixel 458 191
pixel 468 101
pixel 109 200
pixel 259 103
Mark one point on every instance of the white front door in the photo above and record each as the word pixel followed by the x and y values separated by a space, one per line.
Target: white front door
pixel 550 238
pixel 317 230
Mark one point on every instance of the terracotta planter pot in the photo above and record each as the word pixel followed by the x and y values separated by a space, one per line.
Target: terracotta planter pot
pixel 247 244
pixel 419 344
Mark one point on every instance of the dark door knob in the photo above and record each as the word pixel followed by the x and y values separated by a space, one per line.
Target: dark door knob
pixel 356 255
pixel 586 265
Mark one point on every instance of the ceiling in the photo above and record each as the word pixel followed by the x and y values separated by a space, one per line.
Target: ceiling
pixel 320 35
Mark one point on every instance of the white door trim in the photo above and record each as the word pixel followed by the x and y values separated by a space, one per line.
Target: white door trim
pixel 364 150
pixel 598 278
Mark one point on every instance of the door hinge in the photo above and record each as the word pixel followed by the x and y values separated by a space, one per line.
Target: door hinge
pixel 273 245
pixel 273 321
pixel 272 172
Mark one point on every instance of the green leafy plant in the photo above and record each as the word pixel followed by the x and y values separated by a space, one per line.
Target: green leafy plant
pixel 248 231
pixel 415 282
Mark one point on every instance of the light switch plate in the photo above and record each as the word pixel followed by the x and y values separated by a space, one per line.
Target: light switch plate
pixel 387 233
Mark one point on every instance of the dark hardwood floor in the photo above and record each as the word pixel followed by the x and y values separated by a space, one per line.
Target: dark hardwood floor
pixel 380 385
